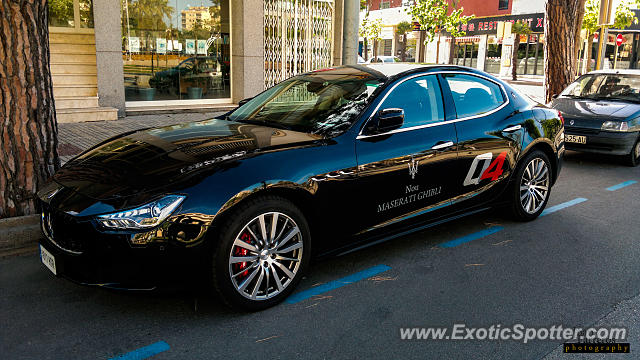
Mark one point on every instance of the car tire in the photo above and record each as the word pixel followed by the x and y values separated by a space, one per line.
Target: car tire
pixel 633 159
pixel 274 266
pixel 531 187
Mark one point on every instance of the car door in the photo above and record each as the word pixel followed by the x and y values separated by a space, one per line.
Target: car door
pixel 406 171
pixel 489 133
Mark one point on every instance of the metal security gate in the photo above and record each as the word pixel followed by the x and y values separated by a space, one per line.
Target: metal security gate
pixel 298 37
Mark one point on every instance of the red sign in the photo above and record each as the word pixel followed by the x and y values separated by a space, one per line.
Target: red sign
pixel 619 39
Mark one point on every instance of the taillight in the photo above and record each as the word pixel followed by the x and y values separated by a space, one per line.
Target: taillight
pixel 561 117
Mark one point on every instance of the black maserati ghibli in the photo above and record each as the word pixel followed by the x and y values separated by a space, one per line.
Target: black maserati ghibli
pixel 602 111
pixel 321 163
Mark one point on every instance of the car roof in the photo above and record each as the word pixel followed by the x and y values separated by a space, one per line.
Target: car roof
pixel 383 72
pixel 617 71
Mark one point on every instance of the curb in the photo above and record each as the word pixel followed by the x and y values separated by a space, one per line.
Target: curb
pixel 19 234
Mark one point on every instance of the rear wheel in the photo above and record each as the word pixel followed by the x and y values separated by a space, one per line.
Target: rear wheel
pixel 261 254
pixel 633 159
pixel 532 186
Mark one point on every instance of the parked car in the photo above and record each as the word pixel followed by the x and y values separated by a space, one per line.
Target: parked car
pixel 602 113
pixel 321 163
pixel 386 59
pixel 362 61
pixel 205 72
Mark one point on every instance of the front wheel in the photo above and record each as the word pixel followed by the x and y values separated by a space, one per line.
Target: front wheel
pixel 532 186
pixel 261 253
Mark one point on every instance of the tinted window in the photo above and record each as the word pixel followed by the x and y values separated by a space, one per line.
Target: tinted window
pixel 473 95
pixel 321 103
pixel 421 100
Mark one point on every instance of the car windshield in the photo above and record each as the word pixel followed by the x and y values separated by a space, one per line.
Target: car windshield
pixel 605 86
pixel 324 103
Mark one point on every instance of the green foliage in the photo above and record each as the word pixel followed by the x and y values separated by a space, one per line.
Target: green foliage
pixel 150 14
pixel 403 27
pixel 371 28
pixel 623 16
pixel 439 15
pixel 60 12
pixel 520 28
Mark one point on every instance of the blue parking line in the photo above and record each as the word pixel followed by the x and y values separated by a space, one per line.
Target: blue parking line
pixel 364 274
pixel 471 237
pixel 564 205
pixel 144 352
pixel 621 185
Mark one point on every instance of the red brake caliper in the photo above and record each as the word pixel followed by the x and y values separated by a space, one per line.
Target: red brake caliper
pixel 240 251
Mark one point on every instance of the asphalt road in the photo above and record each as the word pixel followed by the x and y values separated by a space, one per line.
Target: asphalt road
pixel 571 267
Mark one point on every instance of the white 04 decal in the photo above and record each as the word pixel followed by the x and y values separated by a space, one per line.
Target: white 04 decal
pixel 490 170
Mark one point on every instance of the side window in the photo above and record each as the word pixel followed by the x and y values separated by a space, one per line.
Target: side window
pixel 421 100
pixel 473 95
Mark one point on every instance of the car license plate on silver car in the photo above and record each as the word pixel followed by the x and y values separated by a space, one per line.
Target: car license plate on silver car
pixel 576 139
pixel 48 260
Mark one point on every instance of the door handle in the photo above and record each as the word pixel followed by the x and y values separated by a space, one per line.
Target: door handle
pixel 442 145
pixel 512 128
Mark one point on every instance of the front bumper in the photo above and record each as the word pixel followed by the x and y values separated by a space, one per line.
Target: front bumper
pixel 602 142
pixel 90 257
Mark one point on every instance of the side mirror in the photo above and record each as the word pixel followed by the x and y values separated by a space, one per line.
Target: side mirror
pixel 244 101
pixel 389 119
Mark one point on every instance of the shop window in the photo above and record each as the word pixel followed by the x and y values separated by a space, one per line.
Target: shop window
pixel 503 4
pixel 388 47
pixel 62 13
pixel 173 51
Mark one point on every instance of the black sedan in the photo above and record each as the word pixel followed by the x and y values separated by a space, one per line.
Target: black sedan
pixel 320 164
pixel 602 113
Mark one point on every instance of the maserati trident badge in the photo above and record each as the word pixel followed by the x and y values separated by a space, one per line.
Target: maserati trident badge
pixel 413 168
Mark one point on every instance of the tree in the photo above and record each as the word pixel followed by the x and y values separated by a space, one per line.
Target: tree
pixel 370 30
pixel 375 34
pixel 439 15
pixel 29 131
pixel 402 29
pixel 562 25
pixel 518 28
pixel 623 18
pixel 149 15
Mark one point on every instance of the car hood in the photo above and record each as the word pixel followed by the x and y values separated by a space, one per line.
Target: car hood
pixel 150 159
pixel 592 113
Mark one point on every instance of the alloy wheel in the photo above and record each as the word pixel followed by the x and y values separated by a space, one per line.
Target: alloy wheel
pixel 265 256
pixel 534 185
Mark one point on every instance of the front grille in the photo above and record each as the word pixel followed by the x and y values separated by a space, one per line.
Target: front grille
pixel 581 131
pixel 64 231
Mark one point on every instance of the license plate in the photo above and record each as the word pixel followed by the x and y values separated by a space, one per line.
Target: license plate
pixel 576 139
pixel 48 260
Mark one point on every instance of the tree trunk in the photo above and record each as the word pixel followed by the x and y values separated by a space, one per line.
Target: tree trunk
pixel 422 47
pixel 29 131
pixel 403 55
pixel 514 58
pixel 589 51
pixel 452 50
pixel 562 25
pixel 365 51
pixel 375 50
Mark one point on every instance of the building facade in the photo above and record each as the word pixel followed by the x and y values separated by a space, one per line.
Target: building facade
pixel 114 57
pixel 480 48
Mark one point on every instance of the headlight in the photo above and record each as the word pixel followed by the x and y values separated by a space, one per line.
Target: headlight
pixel 615 126
pixel 143 217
